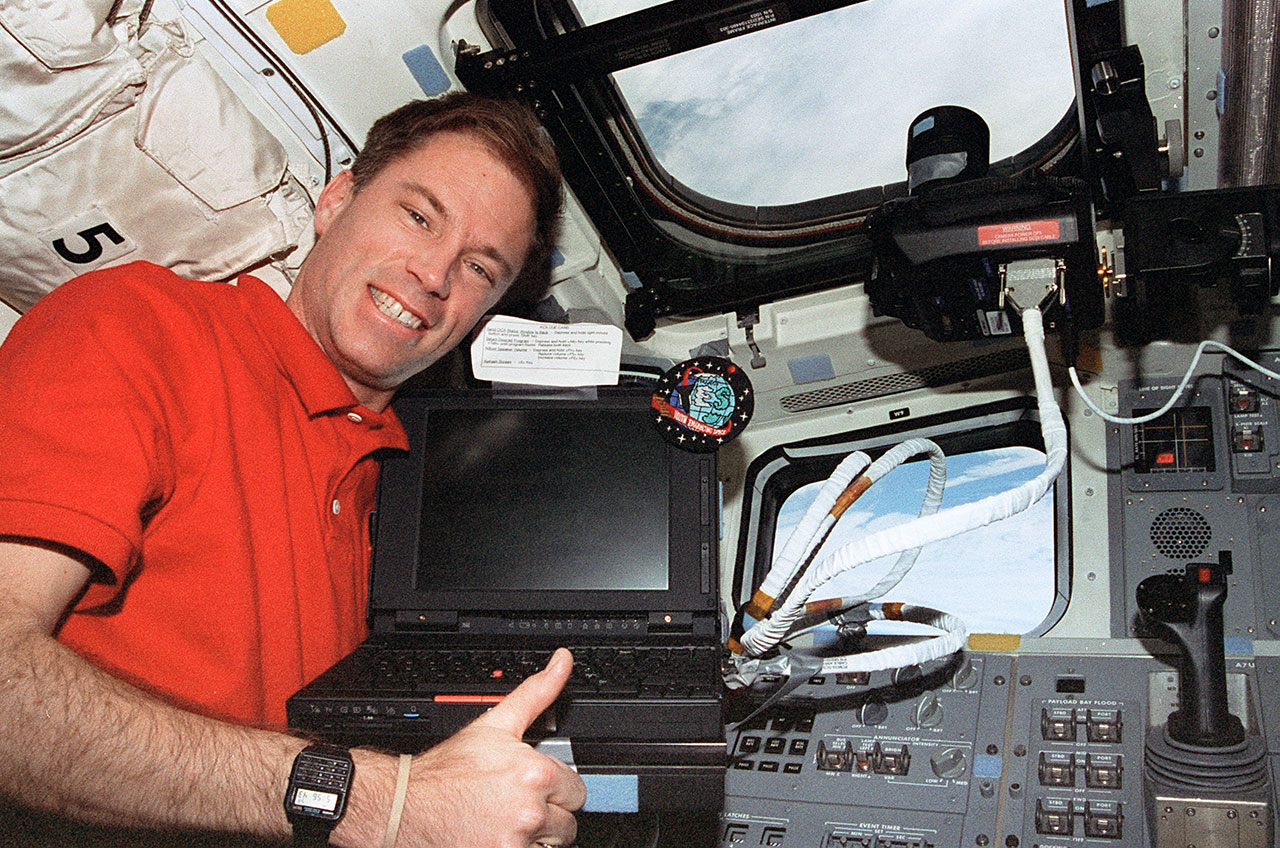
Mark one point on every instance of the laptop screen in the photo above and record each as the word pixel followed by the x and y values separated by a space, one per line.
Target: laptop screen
pixel 510 506
pixel 543 499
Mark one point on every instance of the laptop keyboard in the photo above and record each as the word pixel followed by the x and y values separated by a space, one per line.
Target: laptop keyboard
pixel 605 670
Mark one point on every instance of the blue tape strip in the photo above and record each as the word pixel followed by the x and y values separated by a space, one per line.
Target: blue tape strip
pixel 426 70
pixel 811 369
pixel 987 765
pixel 612 793
pixel 1238 646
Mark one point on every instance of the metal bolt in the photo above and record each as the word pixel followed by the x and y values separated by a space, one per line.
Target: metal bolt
pixel 992 750
pixel 1025 680
pixel 1175 84
pixel 1211 95
pixel 1198 152
pixel 1088 492
pixel 1019 751
pixel 983 840
pixel 998 680
pixel 1213 32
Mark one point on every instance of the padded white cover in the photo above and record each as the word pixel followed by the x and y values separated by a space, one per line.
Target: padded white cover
pixel 120 145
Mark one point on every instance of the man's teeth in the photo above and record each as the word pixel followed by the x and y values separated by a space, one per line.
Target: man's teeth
pixel 393 308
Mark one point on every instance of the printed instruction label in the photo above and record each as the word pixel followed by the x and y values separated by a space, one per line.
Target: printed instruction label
pixel 1022 232
pixel 515 350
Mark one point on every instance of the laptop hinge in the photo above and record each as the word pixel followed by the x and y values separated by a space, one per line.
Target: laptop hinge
pixel 434 620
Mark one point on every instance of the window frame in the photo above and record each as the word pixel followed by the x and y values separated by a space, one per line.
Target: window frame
pixel 691 255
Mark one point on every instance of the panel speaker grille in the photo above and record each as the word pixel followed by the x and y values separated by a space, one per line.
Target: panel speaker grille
pixel 936 375
pixel 1181 533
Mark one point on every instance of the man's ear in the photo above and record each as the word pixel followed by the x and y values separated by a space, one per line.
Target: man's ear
pixel 333 199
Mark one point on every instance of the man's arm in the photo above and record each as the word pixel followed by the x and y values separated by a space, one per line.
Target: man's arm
pixel 81 742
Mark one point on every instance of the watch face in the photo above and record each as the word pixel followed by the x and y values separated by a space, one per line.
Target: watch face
pixel 311 800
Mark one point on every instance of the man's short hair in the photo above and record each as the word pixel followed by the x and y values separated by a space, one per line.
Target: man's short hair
pixel 511 132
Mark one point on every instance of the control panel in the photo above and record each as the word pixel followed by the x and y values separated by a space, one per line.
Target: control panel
pixel 1200 479
pixel 1011 749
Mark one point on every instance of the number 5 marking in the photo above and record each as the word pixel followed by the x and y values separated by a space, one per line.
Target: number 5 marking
pixel 93 246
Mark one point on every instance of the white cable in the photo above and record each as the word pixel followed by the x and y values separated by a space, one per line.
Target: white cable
pixel 943 524
pixel 1177 393
pixel 951 639
pixel 932 501
pixel 813 526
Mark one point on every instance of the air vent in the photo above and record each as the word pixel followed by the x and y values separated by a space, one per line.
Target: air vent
pixel 1181 533
pixel 936 375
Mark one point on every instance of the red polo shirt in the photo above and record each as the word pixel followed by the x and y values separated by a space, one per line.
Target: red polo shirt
pixel 194 439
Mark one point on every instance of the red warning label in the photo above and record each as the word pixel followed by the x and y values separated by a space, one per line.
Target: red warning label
pixel 1023 232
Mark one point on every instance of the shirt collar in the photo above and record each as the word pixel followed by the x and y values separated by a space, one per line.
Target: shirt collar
pixel 320 386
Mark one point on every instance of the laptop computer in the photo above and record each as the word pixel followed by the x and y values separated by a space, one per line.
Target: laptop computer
pixel 526 523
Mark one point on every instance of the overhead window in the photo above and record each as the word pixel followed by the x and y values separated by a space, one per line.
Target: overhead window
pixel 821 106
pixel 738 167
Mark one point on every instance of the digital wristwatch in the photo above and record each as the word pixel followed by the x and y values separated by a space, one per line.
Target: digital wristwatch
pixel 316 798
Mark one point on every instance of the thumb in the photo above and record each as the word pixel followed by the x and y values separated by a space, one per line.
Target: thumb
pixel 527 701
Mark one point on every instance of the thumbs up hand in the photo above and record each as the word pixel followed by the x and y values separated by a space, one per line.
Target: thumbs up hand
pixel 485 788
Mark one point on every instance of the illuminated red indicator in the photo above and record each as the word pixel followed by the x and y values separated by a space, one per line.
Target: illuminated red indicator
pixel 1205 575
pixel 497 672
pixel 1165 458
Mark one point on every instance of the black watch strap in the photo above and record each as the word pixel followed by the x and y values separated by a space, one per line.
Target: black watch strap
pixel 311 833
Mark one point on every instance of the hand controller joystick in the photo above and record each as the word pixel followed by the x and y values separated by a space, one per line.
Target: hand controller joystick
pixel 1202 758
pixel 1189 608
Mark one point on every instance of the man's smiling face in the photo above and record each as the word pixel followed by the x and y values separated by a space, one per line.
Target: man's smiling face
pixel 403 268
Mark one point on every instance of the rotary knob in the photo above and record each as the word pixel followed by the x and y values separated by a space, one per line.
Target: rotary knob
pixel 907 674
pixel 873 712
pixel 928 711
pixel 949 763
pixel 966 676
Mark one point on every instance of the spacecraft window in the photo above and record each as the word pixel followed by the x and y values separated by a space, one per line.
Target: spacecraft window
pixel 1010 576
pixel 821 106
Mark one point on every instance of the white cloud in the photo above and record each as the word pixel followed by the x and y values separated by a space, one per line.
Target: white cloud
pixel 1006 461
pixel 831 96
